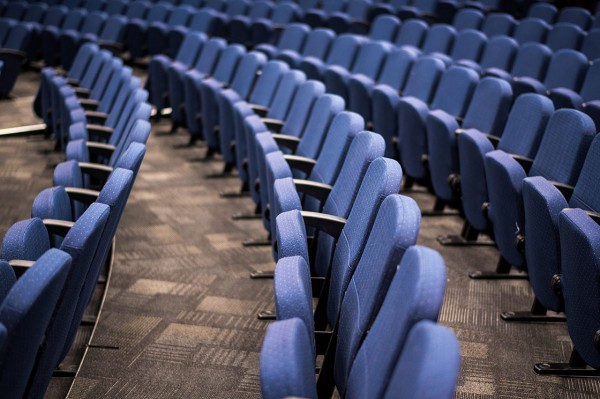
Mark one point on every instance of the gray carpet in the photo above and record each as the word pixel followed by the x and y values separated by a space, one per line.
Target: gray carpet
pixel 179 317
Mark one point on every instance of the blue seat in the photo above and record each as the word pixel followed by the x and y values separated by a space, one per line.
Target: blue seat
pixel 292 38
pixel 25 313
pixel 241 83
pixel 431 353
pixel 411 33
pixel 157 79
pixel 499 53
pixel 240 26
pixel 487 113
pixel 440 39
pixel 521 136
pixel 205 20
pixel 384 27
pixel 531 30
pixel 115 7
pixel 531 61
pixel 158 41
pixel 422 82
pixel 52 17
pixel 70 39
pixel 316 45
pixel 545 11
pixel 575 15
pixel 394 74
pixel 564 35
pixel 194 79
pixel 355 18
pixel 542 203
pixel 316 17
pixel 468 45
pixel 452 97
pixel 591 45
pixel 341 53
pixel 80 244
pixel 468 18
pixel 587 99
pixel 559 158
pixel 136 37
pixel 368 62
pixel 498 24
pixel 12 56
pixel 283 14
pixel 204 65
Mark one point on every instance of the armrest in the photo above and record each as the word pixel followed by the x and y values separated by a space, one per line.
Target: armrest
pixel 273 124
pixel 303 164
pixel 58 227
pixel 82 194
pixel 595 216
pixel 98 171
pixel 89 104
pixel 565 189
pixel 100 131
pixel 95 117
pixel 114 47
pixel 20 266
pixel 287 141
pixel 494 139
pixel 73 82
pixel 11 51
pixel 332 225
pixel 82 92
pixel 259 110
pixel 523 161
pixel 100 148
pixel 319 191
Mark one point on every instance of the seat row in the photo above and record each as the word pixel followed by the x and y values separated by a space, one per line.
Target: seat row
pixel 14 42
pixel 51 263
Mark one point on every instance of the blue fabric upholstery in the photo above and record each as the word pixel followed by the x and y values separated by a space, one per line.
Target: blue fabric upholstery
pixel 342 52
pixel 531 30
pixel 384 27
pixel 25 240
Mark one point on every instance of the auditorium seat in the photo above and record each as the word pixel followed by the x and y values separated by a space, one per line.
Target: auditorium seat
pixel 542 10
pixel 384 27
pixel 316 45
pixel 342 52
pixel 292 38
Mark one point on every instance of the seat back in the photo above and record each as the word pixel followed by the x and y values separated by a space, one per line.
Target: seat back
pixel 34 12
pixel 54 15
pixel 579 246
pixel 247 72
pixel 431 353
pixel 531 30
pixel 590 89
pixel 424 77
pixel 469 45
pixel 211 52
pixel 293 37
pixel 286 90
pixel 394 231
pixel 267 82
pixel 236 7
pixel 499 52
pixel 308 92
pixel 532 60
pixel 228 62
pixel 138 133
pixel 14 10
pixel 370 57
pixel 137 9
pixel 25 312
pixel 93 22
pixel 591 44
pixel 115 7
pixel 525 125
pixel 566 69
pixel 585 194
pixel 454 90
pixel 565 36
pixel 114 29
pixel 498 24
pixel 260 9
pixel 343 50
pixel 415 294
pixel 158 13
pixel 545 11
pixel 190 48
pixel 82 59
pixel 439 39
pixel 384 27
pixel 468 18
pixel 285 13
pixel 411 33
pixel 80 243
pixel 397 67
pixel 383 178
pixel 324 109
pixel 180 15
pixel 73 19
pixel 18 38
pixel 562 151
pixel 318 42
pixel 575 15
pixel 489 106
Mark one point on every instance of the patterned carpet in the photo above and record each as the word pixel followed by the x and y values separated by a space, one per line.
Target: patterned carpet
pixel 179 320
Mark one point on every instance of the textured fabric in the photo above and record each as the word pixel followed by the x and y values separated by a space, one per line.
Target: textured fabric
pixel 542 205
pixel 499 53
pixel 80 243
pixel 292 38
pixel 440 39
pixel 276 168
pixel 342 53
pixel 25 312
pixel 265 145
pixel 383 178
pixel 468 18
pixel 497 24
pixel 25 240
pixel 247 150
pixel 468 45
pixel 580 241
pixel 54 203
pixel 544 11
pixel 285 93
pixel 411 33
pixel 286 368
pixel 7 279
pixel 431 353
pixel 308 92
pixel 564 36
pixel 395 229
pixel 531 30
pixel 567 69
pixel 266 84
pixel 291 235
pixel 416 293
pixel 316 45
pixel 591 44
pixel 293 293
pixel 384 27
pixel 569 149
pixel 576 16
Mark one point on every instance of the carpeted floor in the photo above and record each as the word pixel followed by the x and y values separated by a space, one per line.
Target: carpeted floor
pixel 179 319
